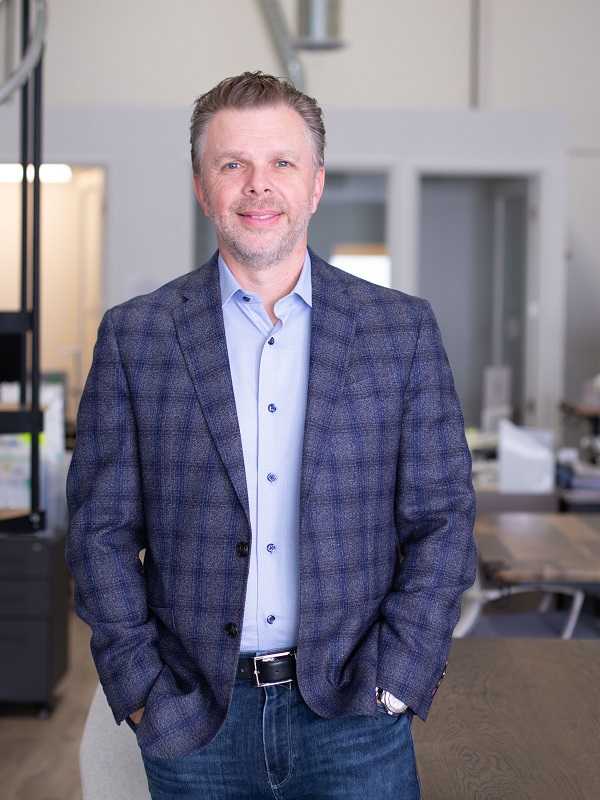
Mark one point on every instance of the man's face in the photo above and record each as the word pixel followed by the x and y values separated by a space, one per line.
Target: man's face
pixel 258 184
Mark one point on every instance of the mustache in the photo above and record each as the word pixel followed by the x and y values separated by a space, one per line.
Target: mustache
pixel 257 205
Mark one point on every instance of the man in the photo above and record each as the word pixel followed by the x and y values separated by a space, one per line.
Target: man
pixel 285 443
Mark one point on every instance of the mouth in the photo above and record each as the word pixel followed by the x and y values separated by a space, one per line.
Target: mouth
pixel 260 219
pixel 260 215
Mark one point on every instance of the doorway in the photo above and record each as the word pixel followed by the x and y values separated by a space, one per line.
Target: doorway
pixel 349 228
pixel 72 223
pixel 473 268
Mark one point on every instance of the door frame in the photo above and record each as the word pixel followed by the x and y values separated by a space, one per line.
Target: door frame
pixel 545 280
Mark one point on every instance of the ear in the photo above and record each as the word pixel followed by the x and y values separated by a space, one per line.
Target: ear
pixel 318 187
pixel 200 194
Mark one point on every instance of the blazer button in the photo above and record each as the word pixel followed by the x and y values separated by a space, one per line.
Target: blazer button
pixel 231 629
pixel 242 549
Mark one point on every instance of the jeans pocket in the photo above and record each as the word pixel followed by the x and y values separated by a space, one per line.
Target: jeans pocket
pixel 133 725
pixel 384 717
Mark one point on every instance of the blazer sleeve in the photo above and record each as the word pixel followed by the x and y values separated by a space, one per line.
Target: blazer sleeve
pixel 435 514
pixel 106 533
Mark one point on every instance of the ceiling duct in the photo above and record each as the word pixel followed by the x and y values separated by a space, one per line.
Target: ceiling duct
pixel 283 42
pixel 319 25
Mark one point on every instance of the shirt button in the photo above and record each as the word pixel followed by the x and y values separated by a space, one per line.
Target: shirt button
pixel 272 408
pixel 242 549
pixel 271 341
pixel 270 619
pixel 270 548
pixel 231 629
pixel 271 477
pixel 246 299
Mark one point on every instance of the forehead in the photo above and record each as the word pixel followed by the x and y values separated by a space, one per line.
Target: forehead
pixel 257 128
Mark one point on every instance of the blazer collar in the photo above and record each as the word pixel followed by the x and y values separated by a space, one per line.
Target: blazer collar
pixel 332 334
pixel 201 333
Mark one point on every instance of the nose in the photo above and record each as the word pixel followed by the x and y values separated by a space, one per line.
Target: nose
pixel 258 181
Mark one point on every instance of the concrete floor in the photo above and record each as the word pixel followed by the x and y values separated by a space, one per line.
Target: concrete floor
pixel 39 758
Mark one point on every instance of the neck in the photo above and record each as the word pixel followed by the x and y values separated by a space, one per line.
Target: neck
pixel 271 283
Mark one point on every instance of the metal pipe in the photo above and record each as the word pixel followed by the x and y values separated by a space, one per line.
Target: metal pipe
pixel 475 55
pixel 37 518
pixel 10 18
pixel 25 158
pixel 30 56
pixel 283 42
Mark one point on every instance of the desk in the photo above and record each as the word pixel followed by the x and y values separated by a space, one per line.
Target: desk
pixel 514 719
pixel 591 413
pixel 540 548
pixel 581 501
pixel 494 502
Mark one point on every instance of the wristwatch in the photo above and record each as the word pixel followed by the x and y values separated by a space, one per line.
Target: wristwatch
pixel 391 704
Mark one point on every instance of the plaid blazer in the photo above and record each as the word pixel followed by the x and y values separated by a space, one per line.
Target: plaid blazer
pixel 387 507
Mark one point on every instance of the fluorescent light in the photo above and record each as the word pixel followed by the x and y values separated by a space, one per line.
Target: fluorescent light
pixel 49 173
pixel 11 173
pixel 55 173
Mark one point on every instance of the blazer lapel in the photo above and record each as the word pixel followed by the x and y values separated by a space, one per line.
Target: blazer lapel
pixel 332 335
pixel 201 333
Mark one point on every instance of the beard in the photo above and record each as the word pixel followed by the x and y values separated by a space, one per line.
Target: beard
pixel 258 249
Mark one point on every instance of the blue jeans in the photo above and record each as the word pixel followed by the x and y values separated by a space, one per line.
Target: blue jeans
pixel 273 746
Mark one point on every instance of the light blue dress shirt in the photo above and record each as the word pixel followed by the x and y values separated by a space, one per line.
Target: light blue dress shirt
pixel 269 370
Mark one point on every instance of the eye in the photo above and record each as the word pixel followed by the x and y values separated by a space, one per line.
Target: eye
pixel 232 165
pixel 282 163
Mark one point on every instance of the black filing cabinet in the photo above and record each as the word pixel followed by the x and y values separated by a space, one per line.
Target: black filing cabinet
pixel 34 600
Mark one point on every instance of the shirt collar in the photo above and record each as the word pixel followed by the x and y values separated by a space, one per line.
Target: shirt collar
pixel 230 285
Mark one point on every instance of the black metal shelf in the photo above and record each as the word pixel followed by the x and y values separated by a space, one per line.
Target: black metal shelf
pixel 20 419
pixel 15 322
pixel 34 586
pixel 20 330
pixel 20 520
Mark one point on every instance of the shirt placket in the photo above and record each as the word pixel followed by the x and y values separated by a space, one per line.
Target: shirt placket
pixel 274 552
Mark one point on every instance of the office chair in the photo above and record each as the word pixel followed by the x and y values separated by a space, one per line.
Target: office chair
pixel 475 598
pixel 110 763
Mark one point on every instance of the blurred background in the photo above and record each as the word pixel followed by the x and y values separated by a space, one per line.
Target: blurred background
pixel 464 142
pixel 463 165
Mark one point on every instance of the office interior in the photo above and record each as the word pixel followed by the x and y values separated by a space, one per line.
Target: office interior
pixel 463 165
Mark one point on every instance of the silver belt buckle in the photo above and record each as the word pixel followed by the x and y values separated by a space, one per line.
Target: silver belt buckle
pixel 266 658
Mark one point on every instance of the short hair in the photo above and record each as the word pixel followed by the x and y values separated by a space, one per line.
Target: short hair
pixel 255 90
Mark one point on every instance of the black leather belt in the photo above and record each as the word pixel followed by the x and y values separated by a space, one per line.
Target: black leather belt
pixel 268 670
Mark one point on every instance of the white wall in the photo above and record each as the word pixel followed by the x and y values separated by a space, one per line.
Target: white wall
pixel 536 54
pixel 150 52
pixel 544 54
pixel 148 215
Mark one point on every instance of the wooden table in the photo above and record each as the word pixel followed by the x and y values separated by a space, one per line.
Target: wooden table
pixel 591 413
pixel 544 548
pixel 514 719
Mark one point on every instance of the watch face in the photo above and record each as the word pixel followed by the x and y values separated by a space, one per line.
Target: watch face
pixel 393 704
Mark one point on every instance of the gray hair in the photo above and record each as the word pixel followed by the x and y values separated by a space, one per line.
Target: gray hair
pixel 255 90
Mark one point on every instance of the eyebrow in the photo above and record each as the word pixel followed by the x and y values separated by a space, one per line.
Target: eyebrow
pixel 231 155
